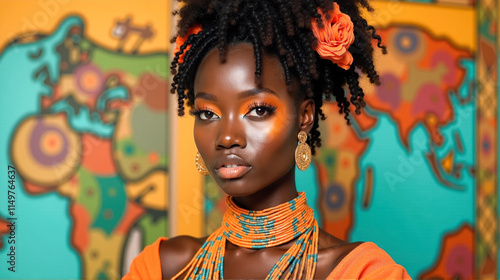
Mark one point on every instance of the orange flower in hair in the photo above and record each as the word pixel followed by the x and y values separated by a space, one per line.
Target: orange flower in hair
pixel 179 41
pixel 335 38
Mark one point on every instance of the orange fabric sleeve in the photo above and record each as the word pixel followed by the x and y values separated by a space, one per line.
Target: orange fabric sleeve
pixel 368 261
pixel 147 264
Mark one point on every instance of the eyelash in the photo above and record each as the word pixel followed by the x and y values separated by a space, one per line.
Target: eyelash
pixel 270 108
pixel 199 110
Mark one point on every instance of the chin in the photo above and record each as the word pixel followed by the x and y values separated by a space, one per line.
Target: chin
pixel 236 189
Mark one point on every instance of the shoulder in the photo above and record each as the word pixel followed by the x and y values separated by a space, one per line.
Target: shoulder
pixel 175 253
pixel 331 252
pixel 368 261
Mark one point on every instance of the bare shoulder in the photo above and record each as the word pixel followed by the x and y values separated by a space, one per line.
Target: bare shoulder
pixel 331 252
pixel 175 253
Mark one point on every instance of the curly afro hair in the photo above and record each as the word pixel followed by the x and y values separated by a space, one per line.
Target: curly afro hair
pixel 282 27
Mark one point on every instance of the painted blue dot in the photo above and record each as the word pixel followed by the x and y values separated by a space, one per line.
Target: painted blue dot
pixel 335 197
pixel 406 42
pixel 76 38
pixel 330 160
pixel 129 149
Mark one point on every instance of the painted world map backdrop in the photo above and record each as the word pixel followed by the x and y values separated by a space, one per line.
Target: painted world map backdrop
pixel 92 170
pixel 103 168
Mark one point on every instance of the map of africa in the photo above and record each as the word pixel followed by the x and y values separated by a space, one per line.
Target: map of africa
pixel 86 144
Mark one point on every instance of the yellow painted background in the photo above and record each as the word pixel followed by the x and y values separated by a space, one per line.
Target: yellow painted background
pixel 439 20
pixel 45 15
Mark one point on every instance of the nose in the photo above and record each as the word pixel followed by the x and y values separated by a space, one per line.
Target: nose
pixel 231 134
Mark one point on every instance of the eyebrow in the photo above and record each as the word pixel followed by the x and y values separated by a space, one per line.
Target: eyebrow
pixel 241 95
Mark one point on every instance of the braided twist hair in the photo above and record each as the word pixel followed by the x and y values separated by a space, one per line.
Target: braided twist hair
pixel 282 27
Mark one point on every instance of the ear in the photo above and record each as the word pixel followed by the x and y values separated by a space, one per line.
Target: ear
pixel 306 115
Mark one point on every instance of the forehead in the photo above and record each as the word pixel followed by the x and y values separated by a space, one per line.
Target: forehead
pixel 237 73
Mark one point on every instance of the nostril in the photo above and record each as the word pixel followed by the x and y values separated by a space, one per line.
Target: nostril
pixel 230 134
pixel 228 144
pixel 230 141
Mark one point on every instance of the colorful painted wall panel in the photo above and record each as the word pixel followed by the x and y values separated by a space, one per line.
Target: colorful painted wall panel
pixel 85 125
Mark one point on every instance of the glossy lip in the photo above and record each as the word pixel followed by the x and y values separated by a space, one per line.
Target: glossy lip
pixel 241 168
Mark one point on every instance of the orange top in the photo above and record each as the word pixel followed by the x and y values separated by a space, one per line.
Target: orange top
pixel 147 264
pixel 367 261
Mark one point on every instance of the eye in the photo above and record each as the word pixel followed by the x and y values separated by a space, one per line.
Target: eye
pixel 207 115
pixel 204 114
pixel 260 110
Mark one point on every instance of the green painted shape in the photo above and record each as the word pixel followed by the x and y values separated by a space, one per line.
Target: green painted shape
pixel 90 193
pixel 114 197
pixel 485 32
pixel 102 272
pixel 102 275
pixel 146 137
pixel 85 45
pixel 131 153
pixel 328 159
pixel 136 65
pixel 153 228
pixel 164 160
pixel 124 146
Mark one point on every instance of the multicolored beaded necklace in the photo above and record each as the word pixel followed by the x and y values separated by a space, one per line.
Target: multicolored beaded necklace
pixel 262 229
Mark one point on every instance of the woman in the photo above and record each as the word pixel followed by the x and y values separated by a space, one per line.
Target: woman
pixel 255 74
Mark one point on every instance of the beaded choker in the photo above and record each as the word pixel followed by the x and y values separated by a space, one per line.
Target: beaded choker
pixel 262 229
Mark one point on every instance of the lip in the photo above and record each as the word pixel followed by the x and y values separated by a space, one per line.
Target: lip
pixel 239 166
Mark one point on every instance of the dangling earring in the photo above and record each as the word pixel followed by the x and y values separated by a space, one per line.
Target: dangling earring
pixel 200 165
pixel 303 152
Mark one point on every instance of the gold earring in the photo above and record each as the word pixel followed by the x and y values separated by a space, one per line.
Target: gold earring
pixel 200 165
pixel 303 152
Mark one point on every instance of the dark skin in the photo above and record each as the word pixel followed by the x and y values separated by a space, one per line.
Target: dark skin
pixel 247 136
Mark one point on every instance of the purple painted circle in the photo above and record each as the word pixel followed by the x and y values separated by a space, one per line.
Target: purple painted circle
pixel 36 136
pixel 409 36
pixel 83 70
pixel 459 262
pixel 389 90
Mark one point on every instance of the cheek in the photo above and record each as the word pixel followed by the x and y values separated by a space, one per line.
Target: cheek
pixel 201 138
pixel 276 133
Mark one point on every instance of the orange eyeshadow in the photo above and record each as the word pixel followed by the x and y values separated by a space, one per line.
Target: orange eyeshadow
pixel 271 100
pixel 206 105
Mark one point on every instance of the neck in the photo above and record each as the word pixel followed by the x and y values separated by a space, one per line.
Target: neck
pixel 280 191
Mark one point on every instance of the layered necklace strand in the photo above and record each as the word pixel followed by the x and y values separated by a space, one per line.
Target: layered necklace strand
pixel 262 229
